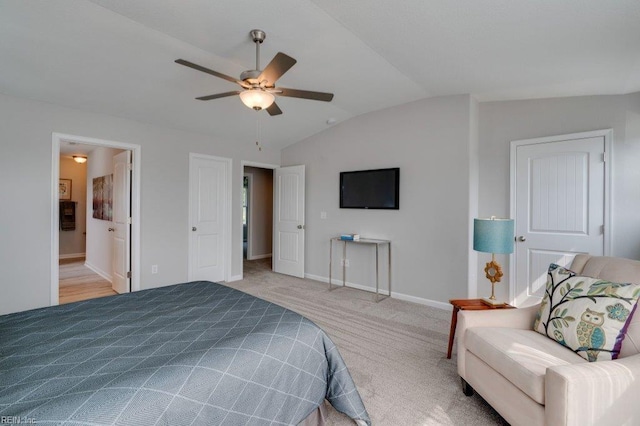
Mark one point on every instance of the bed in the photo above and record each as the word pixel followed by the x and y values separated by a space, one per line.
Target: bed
pixel 196 353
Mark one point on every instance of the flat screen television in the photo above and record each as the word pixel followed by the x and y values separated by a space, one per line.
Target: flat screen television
pixel 370 189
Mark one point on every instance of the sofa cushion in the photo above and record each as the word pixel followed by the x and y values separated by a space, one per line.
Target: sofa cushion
pixel 521 356
pixel 588 315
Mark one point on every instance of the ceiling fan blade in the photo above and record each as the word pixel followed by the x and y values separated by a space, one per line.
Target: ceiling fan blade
pixel 280 64
pixel 207 70
pixel 218 95
pixel 274 109
pixel 304 94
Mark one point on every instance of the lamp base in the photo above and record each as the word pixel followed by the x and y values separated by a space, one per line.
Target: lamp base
pixel 493 302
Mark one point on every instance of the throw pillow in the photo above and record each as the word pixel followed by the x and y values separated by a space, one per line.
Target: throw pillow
pixel 587 315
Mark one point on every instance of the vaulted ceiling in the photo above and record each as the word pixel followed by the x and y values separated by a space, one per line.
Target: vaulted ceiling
pixel 117 56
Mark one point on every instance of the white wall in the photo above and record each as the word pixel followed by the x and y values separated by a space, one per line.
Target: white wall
pixel 502 122
pixel 25 180
pixel 454 158
pixel 72 243
pixel 430 141
pixel 261 212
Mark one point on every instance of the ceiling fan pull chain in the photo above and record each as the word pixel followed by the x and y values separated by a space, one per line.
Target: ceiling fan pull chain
pixel 258 132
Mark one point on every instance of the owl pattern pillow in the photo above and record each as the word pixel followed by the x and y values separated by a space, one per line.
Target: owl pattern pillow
pixel 587 315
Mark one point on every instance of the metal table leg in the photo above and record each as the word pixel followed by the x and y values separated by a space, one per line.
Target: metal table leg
pixel 377 271
pixel 330 259
pixel 389 270
pixel 344 266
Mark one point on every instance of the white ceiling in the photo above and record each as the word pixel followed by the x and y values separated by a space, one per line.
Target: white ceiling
pixel 116 56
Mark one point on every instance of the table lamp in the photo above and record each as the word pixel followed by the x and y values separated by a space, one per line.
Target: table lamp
pixel 493 236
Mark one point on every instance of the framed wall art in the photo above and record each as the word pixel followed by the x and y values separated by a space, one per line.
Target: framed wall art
pixel 103 197
pixel 65 190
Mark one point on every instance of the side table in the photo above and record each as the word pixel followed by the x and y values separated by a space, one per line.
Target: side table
pixel 467 305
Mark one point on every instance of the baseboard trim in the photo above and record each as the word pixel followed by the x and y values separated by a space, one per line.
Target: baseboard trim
pixel 99 271
pixel 338 282
pixel 235 278
pixel 422 301
pixel 259 256
pixel 72 256
pixel 394 294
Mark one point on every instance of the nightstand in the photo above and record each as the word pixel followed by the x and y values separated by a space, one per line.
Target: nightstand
pixel 467 305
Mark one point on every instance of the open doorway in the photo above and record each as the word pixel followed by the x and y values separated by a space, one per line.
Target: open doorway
pixel 95 218
pixel 257 216
pixel 80 277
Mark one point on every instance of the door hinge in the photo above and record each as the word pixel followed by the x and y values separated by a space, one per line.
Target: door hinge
pixel 601 229
pixel 129 221
pixel 130 166
pixel 128 274
pixel 604 157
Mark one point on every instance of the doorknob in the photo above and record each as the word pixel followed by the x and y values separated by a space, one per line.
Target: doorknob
pixel 111 229
pixel 521 238
pixel 300 227
pixel 194 229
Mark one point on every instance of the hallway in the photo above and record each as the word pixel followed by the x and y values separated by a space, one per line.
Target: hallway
pixel 77 282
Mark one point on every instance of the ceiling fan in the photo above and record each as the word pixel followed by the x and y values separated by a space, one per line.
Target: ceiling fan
pixel 258 86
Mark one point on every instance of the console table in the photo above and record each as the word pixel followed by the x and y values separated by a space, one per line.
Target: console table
pixel 367 241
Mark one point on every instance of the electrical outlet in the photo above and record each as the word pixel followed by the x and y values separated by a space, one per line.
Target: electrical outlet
pixel 323 215
pixel 346 263
pixel 154 269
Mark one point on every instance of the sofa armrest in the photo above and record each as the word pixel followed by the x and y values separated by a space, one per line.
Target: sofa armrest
pixel 512 318
pixel 594 393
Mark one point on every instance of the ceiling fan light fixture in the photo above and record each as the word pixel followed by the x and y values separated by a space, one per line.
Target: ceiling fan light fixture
pixel 257 99
pixel 259 84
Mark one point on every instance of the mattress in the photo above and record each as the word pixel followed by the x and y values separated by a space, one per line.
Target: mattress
pixel 196 353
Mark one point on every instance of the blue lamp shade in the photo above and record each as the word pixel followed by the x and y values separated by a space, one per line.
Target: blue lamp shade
pixel 493 235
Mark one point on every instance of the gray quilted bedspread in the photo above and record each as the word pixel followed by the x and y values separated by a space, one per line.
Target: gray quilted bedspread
pixel 190 354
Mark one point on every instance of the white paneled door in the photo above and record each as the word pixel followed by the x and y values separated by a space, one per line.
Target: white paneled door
pixel 121 229
pixel 208 210
pixel 559 207
pixel 288 226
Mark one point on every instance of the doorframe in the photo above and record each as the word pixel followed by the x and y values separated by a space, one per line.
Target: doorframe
pixel 136 150
pixel 249 177
pixel 244 163
pixel 227 209
pixel 607 134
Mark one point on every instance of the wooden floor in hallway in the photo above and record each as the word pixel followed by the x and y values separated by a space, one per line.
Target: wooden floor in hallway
pixel 77 282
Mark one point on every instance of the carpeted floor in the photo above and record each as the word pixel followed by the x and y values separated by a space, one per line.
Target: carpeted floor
pixel 395 350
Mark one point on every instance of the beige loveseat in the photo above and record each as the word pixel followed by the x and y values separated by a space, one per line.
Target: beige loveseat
pixel 532 380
